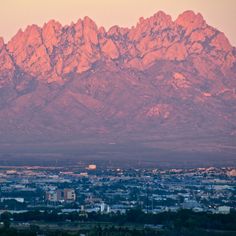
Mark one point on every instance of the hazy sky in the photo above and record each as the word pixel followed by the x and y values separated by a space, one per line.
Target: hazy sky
pixel 15 14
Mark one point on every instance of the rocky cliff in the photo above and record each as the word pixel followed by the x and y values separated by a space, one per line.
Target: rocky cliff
pixel 161 79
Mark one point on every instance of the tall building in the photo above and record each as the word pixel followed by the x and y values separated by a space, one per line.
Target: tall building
pixel 69 194
pixel 60 195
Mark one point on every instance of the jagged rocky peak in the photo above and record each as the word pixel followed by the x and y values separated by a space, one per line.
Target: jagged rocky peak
pixel 52 24
pixel 52 28
pixel 30 37
pixel 161 19
pixel 155 23
pixel 190 21
pixel 114 31
pixel 88 22
pixel 157 78
pixel 102 31
pixel 29 52
pixel 51 33
pixel 90 31
pixel 1 43
pixel 56 49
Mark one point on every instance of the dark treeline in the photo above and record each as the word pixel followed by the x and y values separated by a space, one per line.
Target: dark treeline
pixel 182 218
pixel 114 232
pixel 183 222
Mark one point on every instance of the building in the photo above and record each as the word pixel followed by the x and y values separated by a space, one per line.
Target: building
pixel 190 204
pixel 104 208
pixel 223 210
pixel 17 199
pixel 69 195
pixel 92 167
pixel 51 196
pixel 232 173
pixel 61 195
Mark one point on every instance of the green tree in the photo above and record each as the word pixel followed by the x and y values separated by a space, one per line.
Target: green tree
pixel 5 217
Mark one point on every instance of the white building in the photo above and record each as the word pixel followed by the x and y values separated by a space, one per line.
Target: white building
pixel 223 209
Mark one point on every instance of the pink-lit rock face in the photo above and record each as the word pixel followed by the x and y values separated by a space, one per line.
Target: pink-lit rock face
pixel 90 31
pixel 190 21
pixel 29 52
pixel 180 81
pixel 51 35
pixel 75 48
pixel 5 61
pixel 221 43
pixel 159 111
pixel 6 65
pixel 1 43
pixel 176 52
pixel 160 77
pixel 110 50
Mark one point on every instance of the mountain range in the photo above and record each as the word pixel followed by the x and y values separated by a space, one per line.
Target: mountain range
pixel 161 82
